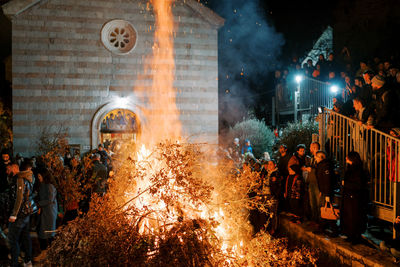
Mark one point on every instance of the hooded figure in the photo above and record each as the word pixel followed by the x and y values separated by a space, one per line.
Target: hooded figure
pixel 247 147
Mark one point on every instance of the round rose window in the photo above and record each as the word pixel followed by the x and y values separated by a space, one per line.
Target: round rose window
pixel 118 36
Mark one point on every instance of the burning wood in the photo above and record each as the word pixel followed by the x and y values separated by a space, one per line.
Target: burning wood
pixel 170 206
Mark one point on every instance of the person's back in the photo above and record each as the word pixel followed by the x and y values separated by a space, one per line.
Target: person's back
pixel 99 175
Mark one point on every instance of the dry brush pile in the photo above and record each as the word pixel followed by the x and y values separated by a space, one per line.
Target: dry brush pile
pixel 173 206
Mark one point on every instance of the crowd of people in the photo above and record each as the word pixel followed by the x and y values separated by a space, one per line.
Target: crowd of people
pixel 29 200
pixel 368 93
pixel 302 186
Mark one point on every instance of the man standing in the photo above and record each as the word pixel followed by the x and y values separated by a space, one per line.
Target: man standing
pixel 313 191
pixel 283 161
pixel 18 229
pixel 298 160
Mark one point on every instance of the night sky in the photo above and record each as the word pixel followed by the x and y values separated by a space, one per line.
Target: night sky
pixel 258 37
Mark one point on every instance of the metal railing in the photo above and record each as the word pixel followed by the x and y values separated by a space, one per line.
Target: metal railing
pixel 379 152
pixel 309 93
pixel 314 94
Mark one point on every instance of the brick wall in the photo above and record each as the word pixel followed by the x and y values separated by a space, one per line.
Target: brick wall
pixel 62 74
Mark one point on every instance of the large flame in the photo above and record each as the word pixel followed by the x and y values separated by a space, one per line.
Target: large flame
pixel 227 229
pixel 161 122
pixel 162 116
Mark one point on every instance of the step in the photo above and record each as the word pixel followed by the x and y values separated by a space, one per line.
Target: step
pixel 336 248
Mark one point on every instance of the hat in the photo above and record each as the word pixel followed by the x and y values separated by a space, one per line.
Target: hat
pixel 378 80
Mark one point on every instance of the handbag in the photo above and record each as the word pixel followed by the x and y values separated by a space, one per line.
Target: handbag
pixel 330 213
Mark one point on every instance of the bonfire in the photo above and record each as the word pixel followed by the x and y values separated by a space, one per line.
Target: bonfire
pixel 173 206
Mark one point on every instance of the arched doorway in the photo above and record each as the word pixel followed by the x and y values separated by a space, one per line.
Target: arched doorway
pixel 119 125
pixel 126 127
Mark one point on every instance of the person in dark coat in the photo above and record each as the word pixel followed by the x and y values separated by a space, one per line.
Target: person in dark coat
pixel 48 208
pixel 352 213
pixel 4 161
pixel 104 157
pixel 18 229
pixel 283 160
pixel 271 187
pixel 312 184
pixel 294 192
pixel 99 175
pixel 326 180
pixel 363 114
pixel 385 105
pixel 295 185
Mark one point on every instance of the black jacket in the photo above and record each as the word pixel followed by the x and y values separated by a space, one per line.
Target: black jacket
pixel 367 112
pixel 385 108
pixel 99 176
pixel 283 165
pixel 271 183
pixel 325 177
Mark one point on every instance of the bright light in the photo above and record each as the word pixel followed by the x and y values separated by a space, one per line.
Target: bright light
pixel 298 78
pixel 122 101
pixel 334 89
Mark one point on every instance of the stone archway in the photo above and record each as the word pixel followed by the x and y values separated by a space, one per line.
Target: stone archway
pixel 103 110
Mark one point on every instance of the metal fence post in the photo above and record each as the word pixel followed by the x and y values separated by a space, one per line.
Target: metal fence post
pixel 273 112
pixel 295 101
pixel 322 137
pixel 396 206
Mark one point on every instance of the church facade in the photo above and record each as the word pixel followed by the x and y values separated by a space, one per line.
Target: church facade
pixel 75 65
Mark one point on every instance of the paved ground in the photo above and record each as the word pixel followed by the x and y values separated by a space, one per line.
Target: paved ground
pixel 4 251
pixel 337 251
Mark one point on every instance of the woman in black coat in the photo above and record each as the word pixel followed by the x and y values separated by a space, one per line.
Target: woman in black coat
pixel 352 214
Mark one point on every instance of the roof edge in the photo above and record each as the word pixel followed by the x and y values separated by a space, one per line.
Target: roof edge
pixel 210 16
pixel 16 7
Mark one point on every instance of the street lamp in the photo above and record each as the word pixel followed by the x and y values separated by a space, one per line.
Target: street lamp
pixel 334 89
pixel 298 79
